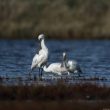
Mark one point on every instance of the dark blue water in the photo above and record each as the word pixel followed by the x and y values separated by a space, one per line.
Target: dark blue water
pixel 93 57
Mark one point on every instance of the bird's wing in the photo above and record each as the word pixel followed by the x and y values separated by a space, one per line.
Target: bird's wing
pixel 35 58
pixel 37 61
pixel 34 61
pixel 54 66
pixel 40 52
pixel 41 60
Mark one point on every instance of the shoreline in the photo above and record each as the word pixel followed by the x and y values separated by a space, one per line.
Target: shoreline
pixel 48 38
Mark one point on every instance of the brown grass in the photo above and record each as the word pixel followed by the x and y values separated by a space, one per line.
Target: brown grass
pixel 58 97
pixel 57 92
pixel 55 105
pixel 61 19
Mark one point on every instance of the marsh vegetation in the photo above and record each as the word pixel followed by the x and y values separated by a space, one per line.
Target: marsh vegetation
pixel 78 97
pixel 58 19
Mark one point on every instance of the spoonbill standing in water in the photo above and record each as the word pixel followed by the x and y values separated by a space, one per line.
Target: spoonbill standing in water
pixel 40 59
pixel 71 65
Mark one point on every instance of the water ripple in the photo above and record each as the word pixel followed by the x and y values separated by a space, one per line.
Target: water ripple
pixel 93 56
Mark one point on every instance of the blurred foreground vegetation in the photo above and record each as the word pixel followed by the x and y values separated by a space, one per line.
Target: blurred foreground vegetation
pixel 55 18
pixel 55 105
pixel 57 97
pixel 55 92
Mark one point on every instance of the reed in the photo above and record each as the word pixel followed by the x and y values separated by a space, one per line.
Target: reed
pixel 59 19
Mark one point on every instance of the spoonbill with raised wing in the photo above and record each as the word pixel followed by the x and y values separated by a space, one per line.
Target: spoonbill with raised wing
pixel 71 65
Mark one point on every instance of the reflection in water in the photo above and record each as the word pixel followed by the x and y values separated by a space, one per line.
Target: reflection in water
pixel 93 56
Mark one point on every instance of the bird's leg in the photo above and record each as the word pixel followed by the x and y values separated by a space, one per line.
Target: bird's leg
pixel 79 75
pixel 30 73
pixel 39 72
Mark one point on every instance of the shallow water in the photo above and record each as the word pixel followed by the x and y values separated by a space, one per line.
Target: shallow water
pixel 92 55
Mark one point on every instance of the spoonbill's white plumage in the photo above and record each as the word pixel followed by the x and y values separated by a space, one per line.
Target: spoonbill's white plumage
pixel 71 65
pixel 41 58
pixel 56 68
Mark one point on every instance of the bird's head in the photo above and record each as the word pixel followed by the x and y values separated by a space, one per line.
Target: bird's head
pixel 64 54
pixel 41 36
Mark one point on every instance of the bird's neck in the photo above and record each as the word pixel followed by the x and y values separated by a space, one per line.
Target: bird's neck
pixel 45 68
pixel 43 46
pixel 65 61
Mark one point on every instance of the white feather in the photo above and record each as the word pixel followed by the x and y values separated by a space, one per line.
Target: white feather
pixel 41 58
pixel 71 65
pixel 55 68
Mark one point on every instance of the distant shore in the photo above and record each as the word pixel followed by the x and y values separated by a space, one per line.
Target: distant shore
pixel 57 37
pixel 59 19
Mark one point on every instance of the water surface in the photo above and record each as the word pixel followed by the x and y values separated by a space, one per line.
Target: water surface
pixel 92 55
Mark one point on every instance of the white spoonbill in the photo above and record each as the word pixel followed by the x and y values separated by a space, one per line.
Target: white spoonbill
pixel 56 68
pixel 71 65
pixel 40 59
